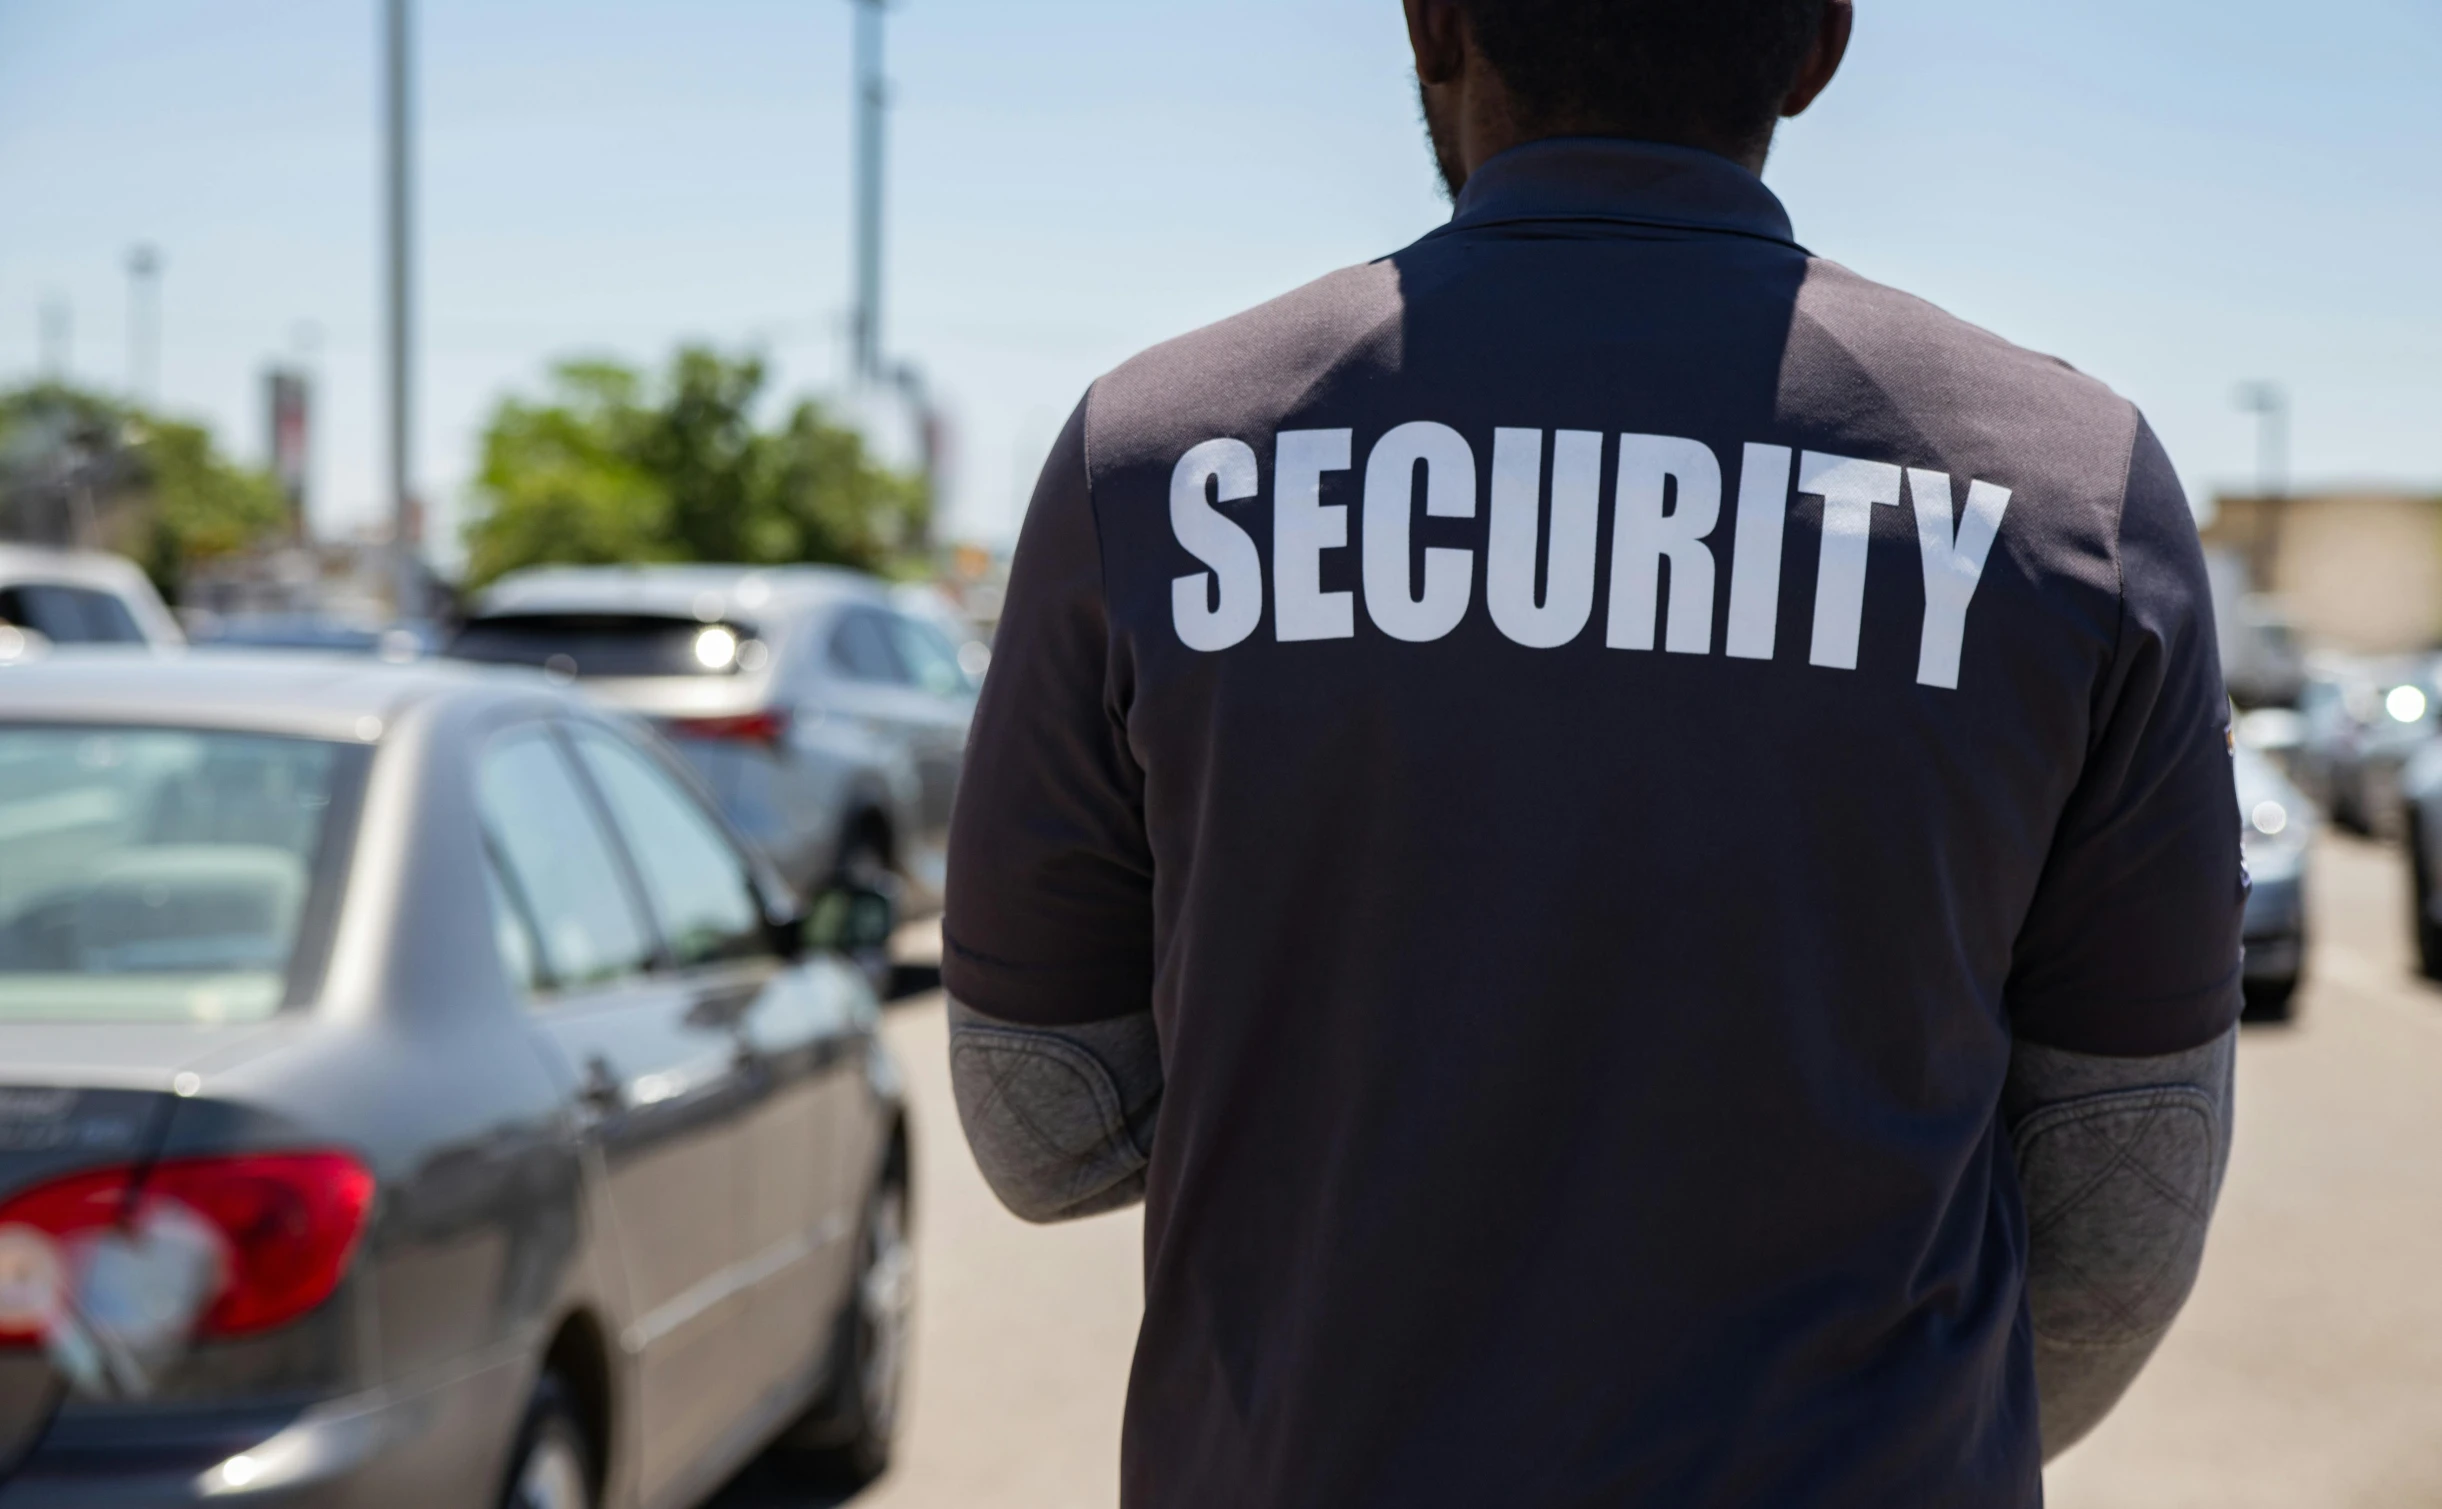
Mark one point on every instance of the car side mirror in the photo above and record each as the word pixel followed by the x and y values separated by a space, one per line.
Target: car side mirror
pixel 850 919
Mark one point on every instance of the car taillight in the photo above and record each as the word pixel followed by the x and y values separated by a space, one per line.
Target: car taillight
pixel 288 1223
pixel 767 726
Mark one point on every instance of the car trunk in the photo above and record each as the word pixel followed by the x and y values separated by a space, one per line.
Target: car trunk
pixel 75 1097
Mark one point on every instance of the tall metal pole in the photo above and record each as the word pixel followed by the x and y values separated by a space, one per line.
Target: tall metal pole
pixel 399 291
pixel 58 327
pixel 143 323
pixel 872 99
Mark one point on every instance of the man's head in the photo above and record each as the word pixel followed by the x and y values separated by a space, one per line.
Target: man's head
pixel 1715 74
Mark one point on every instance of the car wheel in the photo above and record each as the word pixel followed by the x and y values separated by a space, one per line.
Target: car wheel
pixel 552 1468
pixel 864 864
pixel 2268 1001
pixel 2421 922
pixel 844 1441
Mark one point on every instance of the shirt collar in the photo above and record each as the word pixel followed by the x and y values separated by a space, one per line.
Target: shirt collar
pixel 1610 178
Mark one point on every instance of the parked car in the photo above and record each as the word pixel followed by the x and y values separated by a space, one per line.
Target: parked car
pixel 2421 792
pixel 538 1150
pixel 2363 718
pixel 81 597
pixel 2276 826
pixel 828 721
pixel 2261 660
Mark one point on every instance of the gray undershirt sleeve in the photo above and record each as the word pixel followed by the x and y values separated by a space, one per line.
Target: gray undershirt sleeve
pixel 1060 1118
pixel 2120 1160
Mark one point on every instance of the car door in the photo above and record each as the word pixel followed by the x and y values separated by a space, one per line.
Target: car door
pixel 656 1077
pixel 874 675
pixel 794 1030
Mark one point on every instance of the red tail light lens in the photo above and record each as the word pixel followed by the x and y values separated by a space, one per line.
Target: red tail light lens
pixel 768 726
pixel 290 1222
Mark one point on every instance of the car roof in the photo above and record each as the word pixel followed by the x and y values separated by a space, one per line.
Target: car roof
pixel 264 691
pixel 84 568
pixel 695 592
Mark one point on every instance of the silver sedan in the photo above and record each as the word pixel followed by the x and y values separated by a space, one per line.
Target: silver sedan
pixel 412 1093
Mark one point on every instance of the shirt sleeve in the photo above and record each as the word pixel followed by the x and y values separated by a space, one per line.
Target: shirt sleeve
pixel 1050 906
pixel 2132 945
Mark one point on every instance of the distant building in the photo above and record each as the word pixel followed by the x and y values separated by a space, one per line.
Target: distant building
pixel 2357 571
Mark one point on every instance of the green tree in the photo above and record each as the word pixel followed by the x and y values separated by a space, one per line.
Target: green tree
pixel 83 469
pixel 612 467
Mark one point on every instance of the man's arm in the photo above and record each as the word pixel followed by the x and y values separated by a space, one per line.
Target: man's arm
pixel 2124 993
pixel 1060 1119
pixel 1047 942
pixel 2120 1160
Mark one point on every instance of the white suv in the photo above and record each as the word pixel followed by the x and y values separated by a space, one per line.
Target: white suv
pixel 81 597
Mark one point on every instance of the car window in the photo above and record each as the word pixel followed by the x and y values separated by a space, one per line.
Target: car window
pixel 932 663
pixel 613 644
pixel 513 929
pixel 862 647
pixel 557 874
pixel 69 615
pixel 695 876
pixel 158 874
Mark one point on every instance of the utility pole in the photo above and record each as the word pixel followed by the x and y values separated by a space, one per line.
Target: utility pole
pixel 58 326
pixel 872 100
pixel 143 323
pixel 2269 402
pixel 399 300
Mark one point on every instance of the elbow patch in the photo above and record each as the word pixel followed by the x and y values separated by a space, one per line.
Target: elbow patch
pixel 2119 1190
pixel 1047 1123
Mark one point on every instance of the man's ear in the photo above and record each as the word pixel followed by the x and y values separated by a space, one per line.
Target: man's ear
pixel 1822 61
pixel 1437 31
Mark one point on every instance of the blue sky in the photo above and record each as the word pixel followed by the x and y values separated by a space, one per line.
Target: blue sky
pixel 2176 195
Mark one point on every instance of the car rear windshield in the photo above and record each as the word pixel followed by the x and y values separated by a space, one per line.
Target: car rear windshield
pixel 612 644
pixel 69 615
pixel 164 874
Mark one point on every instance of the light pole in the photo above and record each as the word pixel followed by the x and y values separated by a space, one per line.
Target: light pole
pixel 143 323
pixel 872 101
pixel 398 205
pixel 2269 403
pixel 58 326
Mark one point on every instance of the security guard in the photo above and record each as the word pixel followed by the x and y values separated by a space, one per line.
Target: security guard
pixel 1628 836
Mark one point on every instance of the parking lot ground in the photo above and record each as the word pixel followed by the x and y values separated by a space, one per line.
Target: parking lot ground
pixel 1023 1333
pixel 2307 1370
pixel 2308 1367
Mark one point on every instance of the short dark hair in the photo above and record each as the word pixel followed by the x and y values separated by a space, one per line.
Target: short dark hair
pixel 1709 73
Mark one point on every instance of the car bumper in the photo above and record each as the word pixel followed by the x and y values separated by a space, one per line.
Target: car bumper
pixel 446 1442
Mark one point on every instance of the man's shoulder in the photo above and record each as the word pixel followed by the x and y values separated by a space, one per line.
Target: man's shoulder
pixel 1848 330
pixel 1237 376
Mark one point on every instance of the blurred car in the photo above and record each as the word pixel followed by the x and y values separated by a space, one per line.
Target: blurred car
pixel 2421 793
pixel 828 721
pixel 2261 660
pixel 2362 720
pixel 2276 828
pixel 332 633
pixel 81 597
pixel 536 1153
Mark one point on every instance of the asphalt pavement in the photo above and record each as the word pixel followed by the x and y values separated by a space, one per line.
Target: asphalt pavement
pixel 2307 1370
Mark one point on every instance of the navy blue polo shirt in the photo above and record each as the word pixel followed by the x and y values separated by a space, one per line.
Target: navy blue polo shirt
pixel 1592 734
